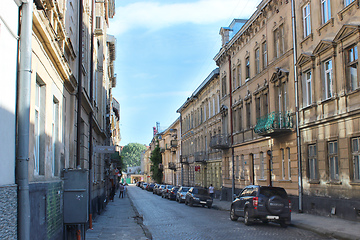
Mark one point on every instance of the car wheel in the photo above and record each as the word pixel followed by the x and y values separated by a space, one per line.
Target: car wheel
pixel 247 220
pixel 233 216
pixel 191 204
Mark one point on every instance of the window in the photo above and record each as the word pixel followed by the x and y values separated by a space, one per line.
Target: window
pixel 237 167
pixel 239 119
pixel 239 75
pixel 306 20
pixel 39 127
pixel 351 67
pixel 248 115
pixel 333 160
pixel 223 87
pixel 55 134
pixel 264 55
pixel 347 2
pixel 242 174
pixel 279 38
pixel 325 11
pixel 282 97
pixel 328 91
pixel 262 167
pixel 289 163
pixel 356 158
pixel 283 166
pixel 247 69
pixel 257 60
pixel 312 162
pixel 213 101
pixel 307 89
pixel 265 104
pixel 234 79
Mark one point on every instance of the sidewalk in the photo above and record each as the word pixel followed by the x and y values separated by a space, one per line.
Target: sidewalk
pixel 337 228
pixel 120 220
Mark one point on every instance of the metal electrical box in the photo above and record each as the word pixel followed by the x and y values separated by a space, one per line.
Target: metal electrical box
pixel 76 196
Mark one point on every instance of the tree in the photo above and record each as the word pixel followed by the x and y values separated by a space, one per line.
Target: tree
pixel 156 165
pixel 131 154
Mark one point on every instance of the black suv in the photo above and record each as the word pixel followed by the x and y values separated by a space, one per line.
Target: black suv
pixel 262 203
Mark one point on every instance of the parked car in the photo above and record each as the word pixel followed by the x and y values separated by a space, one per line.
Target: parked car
pixel 156 188
pixel 166 190
pixel 181 193
pixel 172 193
pixel 150 187
pixel 160 189
pixel 199 196
pixel 262 203
pixel 143 186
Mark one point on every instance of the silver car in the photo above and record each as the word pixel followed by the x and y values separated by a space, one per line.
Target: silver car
pixel 180 195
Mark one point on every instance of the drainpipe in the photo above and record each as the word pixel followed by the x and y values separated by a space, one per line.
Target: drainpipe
pixel 23 120
pixel 298 140
pixel 231 136
pixel 181 146
pixel 91 111
pixel 79 93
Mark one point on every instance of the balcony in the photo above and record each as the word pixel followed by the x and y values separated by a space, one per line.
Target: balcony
pixel 274 124
pixel 220 141
pixel 174 143
pixel 200 157
pixel 184 160
pixel 162 150
pixel 172 166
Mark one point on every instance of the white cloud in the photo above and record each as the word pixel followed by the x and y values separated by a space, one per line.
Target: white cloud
pixel 155 15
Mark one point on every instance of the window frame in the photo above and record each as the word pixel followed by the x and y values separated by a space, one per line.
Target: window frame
pixel 355 153
pixel 333 160
pixel 325 11
pixel 307 88
pixel 306 10
pixel 312 162
pixel 264 54
pixel 348 2
pixel 257 60
pixel 247 68
pixel 351 61
pixel 328 80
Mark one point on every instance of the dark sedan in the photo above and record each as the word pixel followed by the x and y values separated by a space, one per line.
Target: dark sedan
pixel 198 196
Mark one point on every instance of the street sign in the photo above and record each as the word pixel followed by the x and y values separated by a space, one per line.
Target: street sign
pixel 104 149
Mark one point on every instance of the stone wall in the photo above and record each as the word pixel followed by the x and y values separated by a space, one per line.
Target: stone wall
pixel 8 212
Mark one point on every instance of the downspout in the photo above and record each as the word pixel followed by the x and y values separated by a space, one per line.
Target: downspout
pixel 23 120
pixel 79 93
pixel 298 140
pixel 231 136
pixel 91 111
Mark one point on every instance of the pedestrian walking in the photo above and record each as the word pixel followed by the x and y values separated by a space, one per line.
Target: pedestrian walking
pixel 125 189
pixel 211 191
pixel 121 191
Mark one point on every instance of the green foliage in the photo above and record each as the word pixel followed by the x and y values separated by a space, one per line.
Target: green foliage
pixel 156 171
pixel 131 154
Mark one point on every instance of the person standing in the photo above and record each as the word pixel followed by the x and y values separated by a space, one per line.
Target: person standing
pixel 125 189
pixel 211 191
pixel 121 190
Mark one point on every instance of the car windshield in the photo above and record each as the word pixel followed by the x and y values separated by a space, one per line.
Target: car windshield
pixel 162 186
pixel 200 191
pixel 271 191
pixel 169 186
pixel 185 189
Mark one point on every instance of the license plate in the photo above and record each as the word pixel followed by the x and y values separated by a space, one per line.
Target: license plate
pixel 272 217
pixel 202 202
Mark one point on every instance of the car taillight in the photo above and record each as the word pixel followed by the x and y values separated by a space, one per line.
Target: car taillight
pixel 255 202
pixel 289 205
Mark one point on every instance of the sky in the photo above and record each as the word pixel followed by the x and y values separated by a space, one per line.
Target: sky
pixel 164 51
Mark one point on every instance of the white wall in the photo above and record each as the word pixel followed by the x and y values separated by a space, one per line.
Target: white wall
pixel 8 58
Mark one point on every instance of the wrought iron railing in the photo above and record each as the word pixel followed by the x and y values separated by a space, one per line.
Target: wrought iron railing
pixel 274 122
pixel 172 166
pixel 219 141
pixel 200 156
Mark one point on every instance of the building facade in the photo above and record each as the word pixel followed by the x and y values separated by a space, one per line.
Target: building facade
pixel 200 118
pixel 327 63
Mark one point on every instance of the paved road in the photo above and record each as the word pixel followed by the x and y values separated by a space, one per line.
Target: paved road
pixel 171 220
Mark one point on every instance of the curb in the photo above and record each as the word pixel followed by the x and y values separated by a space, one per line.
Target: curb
pixel 139 219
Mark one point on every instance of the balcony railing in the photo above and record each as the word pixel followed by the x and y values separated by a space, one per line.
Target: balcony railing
pixel 220 141
pixel 172 166
pixel 275 123
pixel 184 159
pixel 174 143
pixel 200 156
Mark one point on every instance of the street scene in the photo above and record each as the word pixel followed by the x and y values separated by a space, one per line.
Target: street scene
pixel 174 119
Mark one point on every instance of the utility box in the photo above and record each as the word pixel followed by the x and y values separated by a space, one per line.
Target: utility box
pixel 76 196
